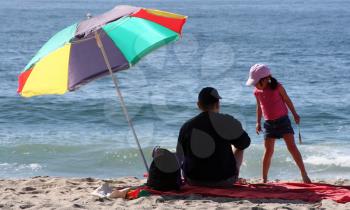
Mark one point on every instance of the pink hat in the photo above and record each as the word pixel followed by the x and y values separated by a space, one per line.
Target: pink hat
pixel 257 72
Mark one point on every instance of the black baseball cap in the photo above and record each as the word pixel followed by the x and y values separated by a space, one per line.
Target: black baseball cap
pixel 208 95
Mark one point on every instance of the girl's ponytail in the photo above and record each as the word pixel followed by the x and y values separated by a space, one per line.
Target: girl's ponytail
pixel 273 83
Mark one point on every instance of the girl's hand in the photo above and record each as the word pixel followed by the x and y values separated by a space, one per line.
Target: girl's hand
pixel 296 118
pixel 258 128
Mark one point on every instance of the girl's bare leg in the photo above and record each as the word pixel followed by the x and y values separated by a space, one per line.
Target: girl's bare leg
pixel 269 149
pixel 294 151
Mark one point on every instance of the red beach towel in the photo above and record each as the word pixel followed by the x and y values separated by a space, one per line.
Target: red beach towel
pixel 286 191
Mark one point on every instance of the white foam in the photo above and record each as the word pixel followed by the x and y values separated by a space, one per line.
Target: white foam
pixel 31 166
pixel 20 167
pixel 340 161
pixel 327 155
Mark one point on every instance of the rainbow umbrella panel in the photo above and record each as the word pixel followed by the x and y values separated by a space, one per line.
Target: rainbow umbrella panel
pixel 72 57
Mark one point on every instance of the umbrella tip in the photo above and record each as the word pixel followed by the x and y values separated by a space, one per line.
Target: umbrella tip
pixel 88 15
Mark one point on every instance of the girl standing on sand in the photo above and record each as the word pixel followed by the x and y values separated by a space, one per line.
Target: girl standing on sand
pixel 272 101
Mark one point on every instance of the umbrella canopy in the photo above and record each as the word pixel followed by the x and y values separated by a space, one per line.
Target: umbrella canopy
pixel 107 43
pixel 72 57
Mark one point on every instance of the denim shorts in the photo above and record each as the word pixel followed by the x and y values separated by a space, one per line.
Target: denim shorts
pixel 277 128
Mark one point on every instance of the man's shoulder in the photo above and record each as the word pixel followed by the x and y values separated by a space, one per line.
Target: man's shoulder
pixel 190 122
pixel 226 117
pixel 226 125
pixel 212 116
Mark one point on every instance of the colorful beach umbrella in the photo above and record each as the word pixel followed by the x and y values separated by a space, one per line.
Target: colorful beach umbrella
pixel 98 46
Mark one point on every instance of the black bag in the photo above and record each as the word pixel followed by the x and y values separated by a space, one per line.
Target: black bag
pixel 165 172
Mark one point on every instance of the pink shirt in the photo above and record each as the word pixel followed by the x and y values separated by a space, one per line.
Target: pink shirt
pixel 271 103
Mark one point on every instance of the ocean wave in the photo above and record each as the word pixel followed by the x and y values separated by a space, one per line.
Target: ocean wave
pixel 339 161
pixel 19 168
pixel 104 160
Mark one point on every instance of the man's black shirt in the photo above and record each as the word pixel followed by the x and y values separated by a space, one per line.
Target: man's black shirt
pixel 204 146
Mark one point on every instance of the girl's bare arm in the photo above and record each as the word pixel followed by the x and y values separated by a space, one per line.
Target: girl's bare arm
pixel 289 103
pixel 258 116
pixel 258 111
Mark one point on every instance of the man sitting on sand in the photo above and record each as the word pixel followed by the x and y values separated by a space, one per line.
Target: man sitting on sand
pixel 205 144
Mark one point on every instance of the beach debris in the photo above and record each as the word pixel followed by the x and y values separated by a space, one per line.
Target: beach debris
pixel 75 205
pixel 103 191
pixel 89 179
pixel 26 206
pixel 28 189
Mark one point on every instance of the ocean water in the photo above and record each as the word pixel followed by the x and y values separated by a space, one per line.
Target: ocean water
pixel 84 133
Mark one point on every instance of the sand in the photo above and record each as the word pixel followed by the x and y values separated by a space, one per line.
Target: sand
pixel 75 193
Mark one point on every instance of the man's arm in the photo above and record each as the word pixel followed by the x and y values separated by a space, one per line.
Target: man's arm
pixel 179 146
pixel 239 138
pixel 241 142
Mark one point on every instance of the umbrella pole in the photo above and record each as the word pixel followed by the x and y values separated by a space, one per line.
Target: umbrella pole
pixel 115 81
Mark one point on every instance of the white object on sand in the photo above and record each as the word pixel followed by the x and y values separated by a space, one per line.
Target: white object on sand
pixel 103 191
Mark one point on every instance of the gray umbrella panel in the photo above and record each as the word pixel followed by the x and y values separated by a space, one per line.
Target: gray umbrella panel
pixel 86 61
pixel 87 26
